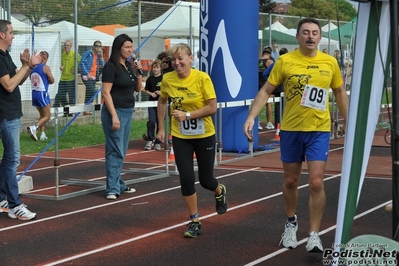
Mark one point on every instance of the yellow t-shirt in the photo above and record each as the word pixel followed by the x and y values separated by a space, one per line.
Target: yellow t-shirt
pixel 188 95
pixel 68 62
pixel 297 72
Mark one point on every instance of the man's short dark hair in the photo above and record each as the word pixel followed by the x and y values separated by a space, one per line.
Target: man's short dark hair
pixel 4 25
pixel 308 20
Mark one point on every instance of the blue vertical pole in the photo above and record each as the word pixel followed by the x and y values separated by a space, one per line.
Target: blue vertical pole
pixel 229 54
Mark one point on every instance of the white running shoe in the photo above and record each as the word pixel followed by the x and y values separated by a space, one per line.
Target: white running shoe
pixel 4 206
pixel 157 147
pixel 111 196
pixel 43 136
pixel 21 212
pixel 269 125
pixel 314 243
pixel 148 145
pixel 289 236
pixel 32 132
pixel 260 127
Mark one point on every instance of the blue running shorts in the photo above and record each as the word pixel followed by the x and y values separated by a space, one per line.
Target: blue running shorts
pixel 40 98
pixel 296 146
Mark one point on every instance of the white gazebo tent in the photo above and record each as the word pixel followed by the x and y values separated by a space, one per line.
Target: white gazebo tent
pixel 328 27
pixel 174 23
pixel 86 36
pixel 277 26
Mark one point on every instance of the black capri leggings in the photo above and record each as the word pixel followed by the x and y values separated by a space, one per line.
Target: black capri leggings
pixel 204 149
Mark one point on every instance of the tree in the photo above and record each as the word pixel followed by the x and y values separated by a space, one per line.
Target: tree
pixel 323 9
pixel 347 9
pixel 103 12
pixel 90 12
pixel 266 6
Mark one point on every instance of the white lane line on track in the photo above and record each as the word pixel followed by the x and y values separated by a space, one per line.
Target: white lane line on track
pixel 80 160
pixel 109 204
pixel 282 250
pixel 84 254
pixel 92 179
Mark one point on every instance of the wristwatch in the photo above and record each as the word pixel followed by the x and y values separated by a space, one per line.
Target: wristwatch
pixel 188 115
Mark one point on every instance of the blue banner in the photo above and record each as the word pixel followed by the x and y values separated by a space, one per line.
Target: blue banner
pixel 229 54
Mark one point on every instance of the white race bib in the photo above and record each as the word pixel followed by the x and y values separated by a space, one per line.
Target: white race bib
pixel 314 97
pixel 192 127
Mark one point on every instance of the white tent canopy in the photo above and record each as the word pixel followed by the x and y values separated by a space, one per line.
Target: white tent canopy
pixel 169 25
pixel 328 27
pixel 277 26
pixel 86 36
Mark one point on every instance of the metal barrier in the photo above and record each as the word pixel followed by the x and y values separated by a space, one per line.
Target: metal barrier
pixel 157 174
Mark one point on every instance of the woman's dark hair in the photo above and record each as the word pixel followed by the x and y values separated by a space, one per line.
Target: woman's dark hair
pixel 116 49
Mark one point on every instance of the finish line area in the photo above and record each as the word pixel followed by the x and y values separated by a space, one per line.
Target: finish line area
pixel 146 227
pixel 264 146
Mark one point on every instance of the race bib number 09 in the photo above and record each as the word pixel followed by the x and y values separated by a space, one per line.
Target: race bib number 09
pixel 314 97
pixel 192 127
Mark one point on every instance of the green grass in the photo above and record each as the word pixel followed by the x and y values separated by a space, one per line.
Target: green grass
pixel 75 136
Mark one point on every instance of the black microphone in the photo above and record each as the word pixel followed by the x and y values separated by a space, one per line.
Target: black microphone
pixel 135 60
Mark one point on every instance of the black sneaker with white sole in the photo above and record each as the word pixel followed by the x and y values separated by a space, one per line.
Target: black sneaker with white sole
pixel 193 229
pixel 221 201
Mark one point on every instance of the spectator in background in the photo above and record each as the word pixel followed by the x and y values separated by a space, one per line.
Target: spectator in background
pixel 10 122
pixel 275 52
pixel 41 77
pixel 197 60
pixel 264 62
pixel 67 80
pixel 152 88
pixel 166 65
pixel 166 68
pixel 90 64
pixel 277 92
pixel 337 56
pixel 325 50
pixel 120 80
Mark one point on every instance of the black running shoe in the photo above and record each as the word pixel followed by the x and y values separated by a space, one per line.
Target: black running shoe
pixel 193 229
pixel 221 201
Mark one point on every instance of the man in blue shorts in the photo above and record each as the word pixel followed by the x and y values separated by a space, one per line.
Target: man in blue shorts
pixel 307 75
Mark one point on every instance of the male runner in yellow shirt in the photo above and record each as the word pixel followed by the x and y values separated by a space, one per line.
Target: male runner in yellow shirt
pixel 307 75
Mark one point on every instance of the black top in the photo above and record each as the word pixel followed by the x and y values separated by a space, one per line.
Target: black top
pixel 123 84
pixel 10 103
pixel 261 67
pixel 168 69
pixel 153 84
